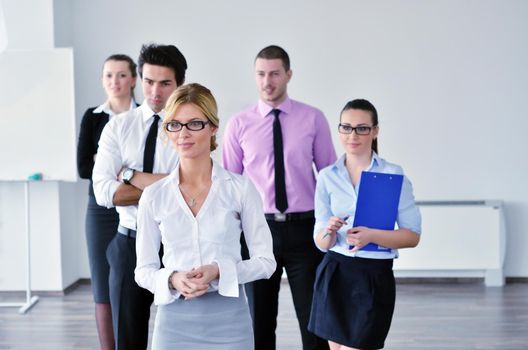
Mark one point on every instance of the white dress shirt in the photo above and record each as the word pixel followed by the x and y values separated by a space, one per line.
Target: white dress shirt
pixel 232 205
pixel 122 144
pixel 105 108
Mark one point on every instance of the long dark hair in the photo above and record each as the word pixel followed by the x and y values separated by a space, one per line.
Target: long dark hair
pixel 364 105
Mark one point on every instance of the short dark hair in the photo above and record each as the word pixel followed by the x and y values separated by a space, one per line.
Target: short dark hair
pixel 275 52
pixel 166 56
pixel 364 105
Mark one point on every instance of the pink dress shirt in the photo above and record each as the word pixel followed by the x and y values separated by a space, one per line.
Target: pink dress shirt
pixel 248 150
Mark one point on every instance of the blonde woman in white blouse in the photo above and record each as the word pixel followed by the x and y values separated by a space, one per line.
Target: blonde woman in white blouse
pixel 198 213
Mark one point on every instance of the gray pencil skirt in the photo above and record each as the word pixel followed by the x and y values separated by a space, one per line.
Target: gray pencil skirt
pixel 211 322
pixel 101 227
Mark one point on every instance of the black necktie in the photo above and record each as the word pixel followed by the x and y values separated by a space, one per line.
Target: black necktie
pixel 150 146
pixel 281 200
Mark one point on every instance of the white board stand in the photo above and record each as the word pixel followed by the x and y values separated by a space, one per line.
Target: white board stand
pixel 30 300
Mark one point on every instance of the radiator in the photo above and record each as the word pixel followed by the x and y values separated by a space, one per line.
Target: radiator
pixel 460 239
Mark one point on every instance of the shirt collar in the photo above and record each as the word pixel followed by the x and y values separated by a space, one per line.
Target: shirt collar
pixel 375 162
pixel 105 108
pixel 219 173
pixel 339 165
pixel 265 109
pixel 147 112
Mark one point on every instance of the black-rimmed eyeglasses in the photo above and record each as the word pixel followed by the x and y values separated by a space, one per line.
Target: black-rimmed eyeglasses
pixel 360 130
pixel 194 125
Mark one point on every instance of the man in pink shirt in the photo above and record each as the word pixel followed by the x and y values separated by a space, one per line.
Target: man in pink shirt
pixel 276 143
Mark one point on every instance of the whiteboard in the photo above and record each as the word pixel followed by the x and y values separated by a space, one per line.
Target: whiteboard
pixel 37 115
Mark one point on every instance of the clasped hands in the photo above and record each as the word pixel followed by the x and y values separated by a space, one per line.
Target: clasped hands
pixel 357 237
pixel 194 283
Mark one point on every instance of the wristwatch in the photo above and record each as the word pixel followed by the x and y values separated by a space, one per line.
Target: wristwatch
pixel 127 175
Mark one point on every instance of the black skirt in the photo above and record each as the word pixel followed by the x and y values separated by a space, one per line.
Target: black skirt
pixel 353 301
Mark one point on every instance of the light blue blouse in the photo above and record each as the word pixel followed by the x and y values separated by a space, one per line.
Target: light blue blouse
pixel 336 196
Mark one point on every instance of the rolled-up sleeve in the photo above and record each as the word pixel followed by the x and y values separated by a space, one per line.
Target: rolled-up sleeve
pixel 409 216
pixel 408 213
pixel 148 273
pixel 323 211
pixel 232 153
pixel 261 263
pixel 323 148
pixel 108 164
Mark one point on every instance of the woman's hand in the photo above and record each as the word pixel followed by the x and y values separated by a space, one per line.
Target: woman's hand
pixel 327 237
pixel 188 287
pixel 334 224
pixel 204 274
pixel 359 237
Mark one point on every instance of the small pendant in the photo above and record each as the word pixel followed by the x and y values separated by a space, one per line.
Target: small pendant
pixel 192 202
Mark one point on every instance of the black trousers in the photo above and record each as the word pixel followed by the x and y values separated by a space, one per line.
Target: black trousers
pixel 294 250
pixel 130 303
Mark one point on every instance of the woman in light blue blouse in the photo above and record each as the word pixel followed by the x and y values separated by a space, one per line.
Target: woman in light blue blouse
pixel 354 291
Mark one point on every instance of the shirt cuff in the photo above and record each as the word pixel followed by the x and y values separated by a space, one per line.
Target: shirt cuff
pixel 228 281
pixel 108 196
pixel 162 293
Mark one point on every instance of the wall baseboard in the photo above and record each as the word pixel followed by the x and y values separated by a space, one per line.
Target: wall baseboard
pixel 399 280
pixel 439 280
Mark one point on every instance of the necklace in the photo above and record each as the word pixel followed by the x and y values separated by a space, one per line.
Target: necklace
pixel 192 200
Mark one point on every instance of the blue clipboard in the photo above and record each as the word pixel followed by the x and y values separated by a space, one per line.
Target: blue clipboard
pixel 377 204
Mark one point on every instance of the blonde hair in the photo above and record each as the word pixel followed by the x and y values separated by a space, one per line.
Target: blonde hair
pixel 201 97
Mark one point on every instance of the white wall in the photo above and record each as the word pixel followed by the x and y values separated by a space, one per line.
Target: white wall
pixel 73 196
pixel 28 23
pixel 449 79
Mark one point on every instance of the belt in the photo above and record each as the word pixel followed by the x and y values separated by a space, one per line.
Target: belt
pixel 280 217
pixel 126 231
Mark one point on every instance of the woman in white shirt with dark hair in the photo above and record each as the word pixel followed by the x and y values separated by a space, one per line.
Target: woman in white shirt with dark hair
pixel 198 212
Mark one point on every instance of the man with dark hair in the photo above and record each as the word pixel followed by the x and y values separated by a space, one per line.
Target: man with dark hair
pixel 130 157
pixel 275 52
pixel 276 143
pixel 167 56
